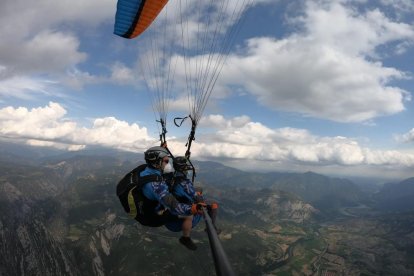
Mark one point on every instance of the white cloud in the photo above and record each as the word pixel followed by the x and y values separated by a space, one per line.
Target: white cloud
pixel 48 51
pixel 78 79
pixel 329 70
pixel 47 54
pixel 37 123
pixel 24 87
pixel 61 146
pixel 122 74
pixel 22 18
pixel 110 132
pixel 31 40
pixel 254 142
pixel 350 31
pixel 237 140
pixel 219 122
pixel 36 39
pixel 407 137
pixel 48 126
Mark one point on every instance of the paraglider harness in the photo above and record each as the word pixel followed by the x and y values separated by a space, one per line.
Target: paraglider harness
pixel 129 192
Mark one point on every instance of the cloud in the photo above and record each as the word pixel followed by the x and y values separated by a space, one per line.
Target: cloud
pixel 31 40
pixel 38 38
pixel 335 23
pixel 48 126
pixel 122 74
pixel 406 138
pixel 236 140
pixel 78 79
pixel 46 52
pixel 38 123
pixel 24 87
pixel 329 70
pixel 21 18
pixel 252 141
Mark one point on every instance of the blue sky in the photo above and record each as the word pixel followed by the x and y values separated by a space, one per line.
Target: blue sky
pixel 313 85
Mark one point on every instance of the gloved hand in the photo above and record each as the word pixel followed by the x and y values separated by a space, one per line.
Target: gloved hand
pixel 198 208
pixel 212 206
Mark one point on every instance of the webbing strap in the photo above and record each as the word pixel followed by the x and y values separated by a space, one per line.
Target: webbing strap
pixel 149 178
pixel 191 138
pixel 179 118
pixel 163 133
pixel 131 203
pixel 137 181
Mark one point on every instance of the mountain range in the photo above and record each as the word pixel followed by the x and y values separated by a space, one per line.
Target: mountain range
pixel 60 216
pixel 397 196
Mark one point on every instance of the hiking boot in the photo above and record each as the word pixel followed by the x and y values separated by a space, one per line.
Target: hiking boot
pixel 188 242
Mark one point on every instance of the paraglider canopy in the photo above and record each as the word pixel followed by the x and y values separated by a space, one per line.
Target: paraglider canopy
pixel 134 16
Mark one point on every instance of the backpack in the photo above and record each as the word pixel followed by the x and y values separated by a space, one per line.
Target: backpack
pixel 129 192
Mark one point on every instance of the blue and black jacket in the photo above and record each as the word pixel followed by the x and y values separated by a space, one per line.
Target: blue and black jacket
pixel 184 192
pixel 158 191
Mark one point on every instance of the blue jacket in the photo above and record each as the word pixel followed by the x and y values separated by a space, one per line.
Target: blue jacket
pixel 158 191
pixel 184 189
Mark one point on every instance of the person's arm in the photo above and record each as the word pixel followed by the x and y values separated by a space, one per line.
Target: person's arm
pixel 161 193
pixel 188 188
pixel 184 191
pixel 196 196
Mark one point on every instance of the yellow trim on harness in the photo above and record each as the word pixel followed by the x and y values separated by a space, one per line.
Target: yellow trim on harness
pixel 132 207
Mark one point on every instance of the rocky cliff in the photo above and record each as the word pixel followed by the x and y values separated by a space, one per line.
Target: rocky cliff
pixel 27 246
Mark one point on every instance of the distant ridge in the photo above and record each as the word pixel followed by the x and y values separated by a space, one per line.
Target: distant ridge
pixel 397 196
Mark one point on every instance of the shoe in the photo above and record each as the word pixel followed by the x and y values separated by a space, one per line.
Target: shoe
pixel 188 242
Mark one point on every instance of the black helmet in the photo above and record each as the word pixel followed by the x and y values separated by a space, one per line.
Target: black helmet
pixel 154 155
pixel 181 164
